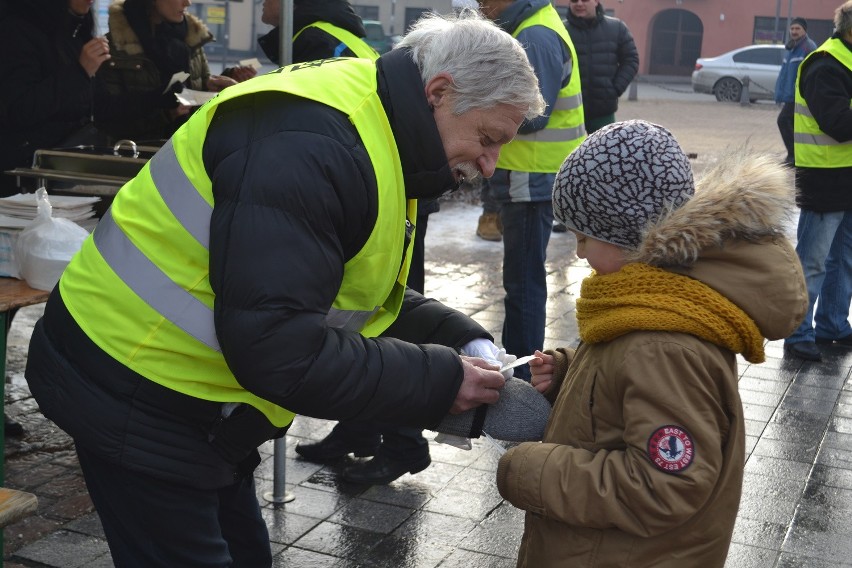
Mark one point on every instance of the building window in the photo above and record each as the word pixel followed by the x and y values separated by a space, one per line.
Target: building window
pixel 767 30
pixel 366 12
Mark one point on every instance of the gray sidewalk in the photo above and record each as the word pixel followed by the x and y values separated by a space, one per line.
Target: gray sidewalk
pixel 796 508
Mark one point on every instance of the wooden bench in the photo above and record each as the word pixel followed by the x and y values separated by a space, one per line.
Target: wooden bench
pixel 15 505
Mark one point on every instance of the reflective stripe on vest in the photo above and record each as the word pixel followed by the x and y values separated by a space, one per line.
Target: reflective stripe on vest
pixel 347 39
pixel 149 254
pixel 544 151
pixel 813 148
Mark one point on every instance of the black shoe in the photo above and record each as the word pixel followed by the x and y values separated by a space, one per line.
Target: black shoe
pixel 334 447
pixel 803 350
pixel 842 342
pixel 559 228
pixel 382 470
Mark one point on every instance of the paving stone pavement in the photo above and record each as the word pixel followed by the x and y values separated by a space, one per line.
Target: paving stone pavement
pixel 796 509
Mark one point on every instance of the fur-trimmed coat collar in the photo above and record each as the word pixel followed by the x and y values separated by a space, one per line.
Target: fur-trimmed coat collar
pixel 126 40
pixel 732 236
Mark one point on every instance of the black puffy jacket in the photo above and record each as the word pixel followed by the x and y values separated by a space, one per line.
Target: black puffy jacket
pixel 314 43
pixel 295 197
pixel 608 60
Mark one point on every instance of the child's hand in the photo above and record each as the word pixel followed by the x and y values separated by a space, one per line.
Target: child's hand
pixel 541 369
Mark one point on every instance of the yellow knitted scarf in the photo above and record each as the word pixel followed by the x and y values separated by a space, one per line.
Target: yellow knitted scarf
pixel 642 297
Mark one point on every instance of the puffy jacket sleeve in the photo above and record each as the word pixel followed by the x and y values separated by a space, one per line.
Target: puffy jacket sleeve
pixel 425 320
pixel 628 59
pixel 659 384
pixel 547 55
pixel 291 206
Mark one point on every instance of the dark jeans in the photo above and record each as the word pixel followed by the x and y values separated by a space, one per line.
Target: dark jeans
pixel 785 127
pixel 593 124
pixel 526 232
pixel 151 523
pixel 489 204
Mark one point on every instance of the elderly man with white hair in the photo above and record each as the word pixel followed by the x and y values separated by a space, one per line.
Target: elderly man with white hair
pixel 255 270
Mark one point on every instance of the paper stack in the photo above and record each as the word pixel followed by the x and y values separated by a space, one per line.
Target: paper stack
pixel 18 210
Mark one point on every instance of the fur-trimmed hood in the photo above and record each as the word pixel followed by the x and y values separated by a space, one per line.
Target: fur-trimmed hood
pixel 126 40
pixel 744 196
pixel 732 236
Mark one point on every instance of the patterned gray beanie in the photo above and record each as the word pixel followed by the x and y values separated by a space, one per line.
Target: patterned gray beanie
pixel 620 180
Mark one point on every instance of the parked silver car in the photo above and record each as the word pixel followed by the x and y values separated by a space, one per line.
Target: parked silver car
pixel 723 75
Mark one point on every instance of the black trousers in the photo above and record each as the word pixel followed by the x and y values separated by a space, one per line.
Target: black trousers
pixel 151 523
pixel 785 127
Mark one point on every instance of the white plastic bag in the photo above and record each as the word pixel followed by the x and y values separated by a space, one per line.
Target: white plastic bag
pixel 45 247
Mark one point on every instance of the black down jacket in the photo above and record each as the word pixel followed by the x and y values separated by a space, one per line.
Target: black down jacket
pixel 295 197
pixel 314 43
pixel 608 60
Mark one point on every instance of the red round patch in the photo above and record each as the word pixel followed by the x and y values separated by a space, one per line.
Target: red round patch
pixel 671 449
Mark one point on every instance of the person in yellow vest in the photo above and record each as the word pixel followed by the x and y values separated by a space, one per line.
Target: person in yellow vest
pixel 524 178
pixel 822 127
pixel 255 269
pixel 321 29
pixel 324 29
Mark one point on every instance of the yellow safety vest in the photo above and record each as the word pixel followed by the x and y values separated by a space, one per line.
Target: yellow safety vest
pixel 812 147
pixel 140 289
pixel 347 39
pixel 544 151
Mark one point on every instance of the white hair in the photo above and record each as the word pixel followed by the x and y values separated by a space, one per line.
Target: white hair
pixel 488 66
pixel 843 18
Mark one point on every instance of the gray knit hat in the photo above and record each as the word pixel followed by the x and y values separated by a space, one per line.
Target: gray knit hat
pixel 620 180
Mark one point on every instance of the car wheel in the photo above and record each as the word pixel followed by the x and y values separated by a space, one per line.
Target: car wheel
pixel 728 90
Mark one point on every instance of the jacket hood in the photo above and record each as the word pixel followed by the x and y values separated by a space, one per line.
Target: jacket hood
pixel 517 12
pixel 337 12
pixel 125 39
pixel 731 236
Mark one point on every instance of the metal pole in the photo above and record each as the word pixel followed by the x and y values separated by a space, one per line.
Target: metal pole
pixel 279 452
pixel 777 19
pixel 789 15
pixel 279 493
pixel 285 33
pixel 227 36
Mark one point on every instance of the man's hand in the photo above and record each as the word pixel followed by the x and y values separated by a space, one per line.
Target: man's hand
pixel 481 384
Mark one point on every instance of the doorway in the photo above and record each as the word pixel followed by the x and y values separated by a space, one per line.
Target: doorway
pixel 675 42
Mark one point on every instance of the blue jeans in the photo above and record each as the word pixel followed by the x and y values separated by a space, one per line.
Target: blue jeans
pixel 526 232
pixel 825 251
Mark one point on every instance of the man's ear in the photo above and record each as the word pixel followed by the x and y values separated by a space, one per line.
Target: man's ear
pixel 438 88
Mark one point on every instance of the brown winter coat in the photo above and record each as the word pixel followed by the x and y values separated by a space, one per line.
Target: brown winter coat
pixel 129 69
pixel 593 496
